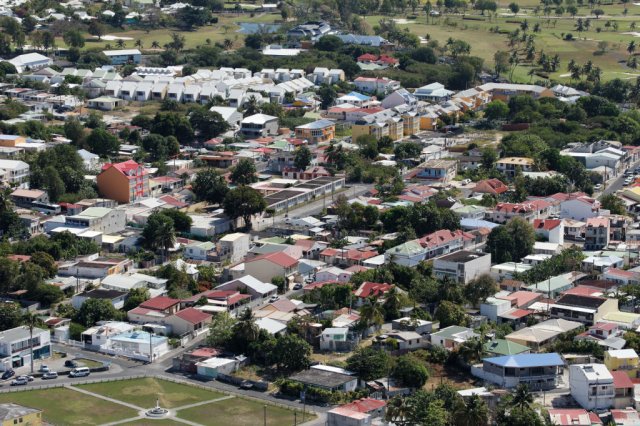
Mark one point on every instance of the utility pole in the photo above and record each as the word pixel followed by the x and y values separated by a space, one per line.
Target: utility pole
pixel 265 415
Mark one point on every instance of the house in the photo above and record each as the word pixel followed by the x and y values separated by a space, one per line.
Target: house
pixel 376 85
pixel 573 417
pixel 437 170
pixel 312 30
pixel 591 386
pixel 585 309
pixel 199 250
pixel 402 340
pixel 29 62
pixel 14 172
pixel 434 92
pixel 505 91
pixel 550 229
pixel 399 97
pixel 123 57
pixel 116 298
pixel 624 390
pixel 105 103
pixel 335 339
pixel 267 266
pixel 123 182
pixel 462 266
pixel 510 165
pixel 16 345
pixel 490 186
pixel 409 254
pixel 596 233
pixel 412 324
pixel 542 334
pixel 91 161
pixel 538 371
pixel 234 246
pixel 327 380
pixel 625 417
pixel 210 368
pixel 259 126
pixel 231 115
pixel 251 286
pixel 99 219
pixel 189 321
pixel 625 360
pixel 136 344
pixel 579 207
pixel 500 347
pixel 370 289
pixel 120 282
pixel 271 326
pixel 319 131
pixel 452 336
pixel 26 197
pixel 14 414
pixel 357 413
pixel 529 211
pixel 492 307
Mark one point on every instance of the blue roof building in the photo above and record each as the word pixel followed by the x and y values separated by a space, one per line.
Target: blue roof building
pixel 362 40
pixel 538 371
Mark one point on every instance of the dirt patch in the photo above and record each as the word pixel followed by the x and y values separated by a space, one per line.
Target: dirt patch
pixel 452 376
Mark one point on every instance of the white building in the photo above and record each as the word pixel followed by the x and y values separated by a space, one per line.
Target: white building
pixel 259 125
pixel 462 266
pixel 30 61
pixel 125 56
pixel 235 245
pixel 136 344
pixel 14 172
pixel 15 347
pixel 231 115
pixel 592 386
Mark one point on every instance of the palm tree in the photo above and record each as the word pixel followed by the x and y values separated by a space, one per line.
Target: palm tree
pixel 155 45
pixel 227 44
pixel 472 350
pixel 522 397
pixel 631 47
pixel 138 44
pixel 372 313
pixel 246 327
pixel 121 44
pixel 251 107
pixel 32 321
pixel 397 410
pixel 472 412
pixel 108 46
pixel 392 303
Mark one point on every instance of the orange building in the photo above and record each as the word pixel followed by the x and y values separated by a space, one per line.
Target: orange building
pixel 317 132
pixel 123 182
pixel 12 141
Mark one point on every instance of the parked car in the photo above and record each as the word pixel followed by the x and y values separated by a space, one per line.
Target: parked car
pixel 597 187
pixel 50 375
pixel 246 384
pixel 79 372
pixel 8 374
pixel 274 299
pixel 466 181
pixel 20 381
pixel 70 363
pixel 44 369
pixel 297 286
pixel 25 376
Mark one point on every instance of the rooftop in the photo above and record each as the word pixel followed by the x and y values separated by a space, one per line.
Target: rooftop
pixel 527 360
pixel 321 378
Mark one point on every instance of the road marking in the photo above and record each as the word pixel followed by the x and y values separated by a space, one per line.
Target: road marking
pixel 197 404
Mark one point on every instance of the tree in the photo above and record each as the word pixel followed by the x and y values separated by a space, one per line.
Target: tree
pixel 302 158
pixel 597 13
pixel 210 186
pixel 449 313
pixel 280 282
pixel 501 62
pixel 53 183
pixel 472 350
pixel 514 8
pixel 472 412
pixel 523 236
pixel 181 221
pixel 135 297
pixel 480 288
pixel 220 330
pixel 410 371
pixel 244 173
pixel 10 315
pixel 290 353
pixel 372 313
pixel 96 29
pixel 74 130
pixel 73 38
pixel 496 110
pixel 159 232
pixel 102 143
pixel 46 262
pixel 243 202
pixel 369 363
pixel 31 321
pixel 613 204
pixel 327 96
pixel 94 310
pixel 245 331
pixel 522 397
pixel 207 124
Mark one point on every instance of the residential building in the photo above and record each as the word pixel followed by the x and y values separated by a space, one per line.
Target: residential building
pixel 267 266
pixel 357 413
pixel 402 340
pixel 490 186
pixel 505 91
pixel 27 197
pixel 14 414
pixel 591 386
pixel 462 266
pixel 123 57
pixel 335 339
pixel 199 250
pixel 124 182
pixel 105 103
pixel 116 298
pixel 189 321
pixel 30 62
pixel 409 254
pixel 573 417
pixel 231 115
pixel 434 92
pixel 250 285
pixel 437 170
pixel 233 247
pixel 16 345
pixel 370 289
pixel 376 85
pixel 452 336
pixel 588 310
pixel 509 165
pixel 211 367
pixel 259 126
pixel 136 344
pixel 550 229
pixel 622 360
pixel 324 379
pixel 501 347
pixel 596 233
pixel 538 371
pixel 399 97
pixel 100 219
pixel 412 324
pixel 313 30
pixel 14 172
pixel 529 211
pixel 493 307
pixel 624 390
pixel 540 335
pixel 319 131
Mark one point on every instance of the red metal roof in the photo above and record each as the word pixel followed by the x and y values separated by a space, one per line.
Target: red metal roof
pixel 368 288
pixel 364 405
pixel 192 315
pixel 621 380
pixel 279 258
pixel 546 224
pixel 159 303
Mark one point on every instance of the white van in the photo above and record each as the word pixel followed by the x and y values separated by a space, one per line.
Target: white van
pixel 79 372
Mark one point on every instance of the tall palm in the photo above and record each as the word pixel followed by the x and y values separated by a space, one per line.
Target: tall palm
pixel 397 410
pixel 372 312
pixel 246 327
pixel 631 47
pixel 472 412
pixel 138 44
pixel 392 303
pixel 472 350
pixel 155 45
pixel 522 397
pixel 227 44
pixel 252 106
pixel 30 320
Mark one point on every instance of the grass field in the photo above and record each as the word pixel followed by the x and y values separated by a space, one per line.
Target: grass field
pixel 67 407
pixel 158 422
pixel 239 412
pixel 145 392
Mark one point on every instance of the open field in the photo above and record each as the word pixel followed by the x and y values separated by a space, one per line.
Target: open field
pixel 156 422
pixel 239 412
pixel 67 407
pixel 145 392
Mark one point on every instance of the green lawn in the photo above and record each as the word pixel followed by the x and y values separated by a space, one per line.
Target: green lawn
pixel 145 392
pixel 150 422
pixel 89 362
pixel 240 412
pixel 67 407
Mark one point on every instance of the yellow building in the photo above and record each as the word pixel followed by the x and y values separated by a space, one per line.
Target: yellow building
pixel 14 414
pixel 622 360
pixel 123 182
pixel 317 132
pixel 410 123
pixel 11 141
pixel 383 123
pixel 505 91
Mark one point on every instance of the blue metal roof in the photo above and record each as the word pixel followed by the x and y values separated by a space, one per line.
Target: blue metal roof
pixel 477 223
pixel 527 360
pixel 359 96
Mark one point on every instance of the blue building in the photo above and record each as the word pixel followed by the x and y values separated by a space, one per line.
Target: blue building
pixel 538 371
